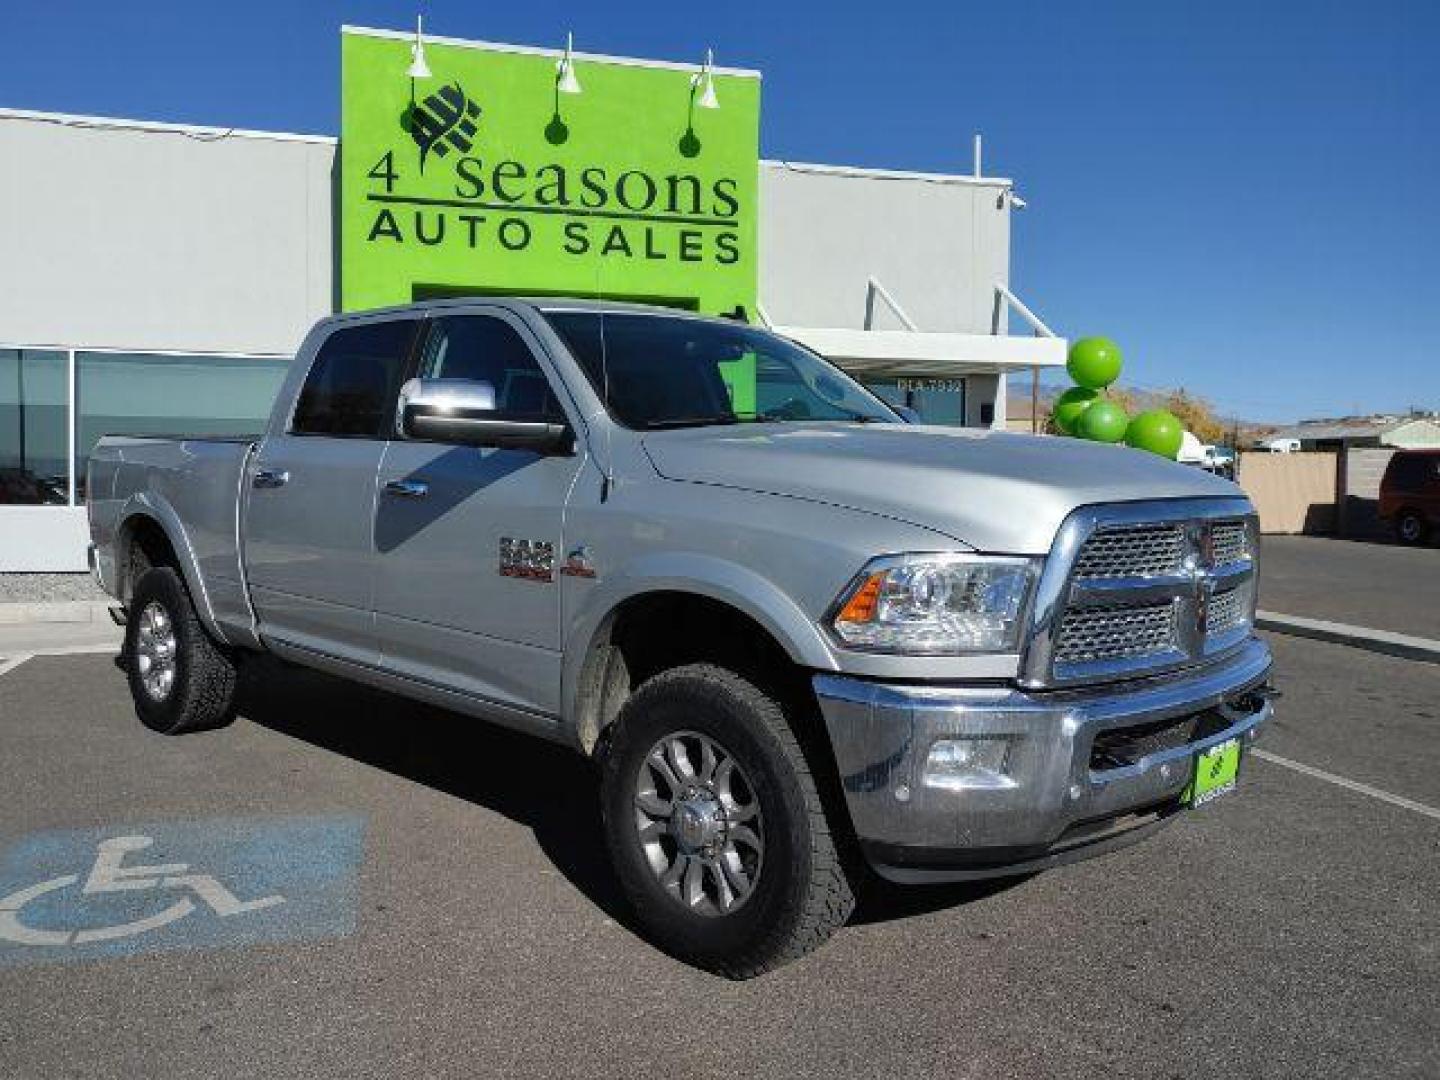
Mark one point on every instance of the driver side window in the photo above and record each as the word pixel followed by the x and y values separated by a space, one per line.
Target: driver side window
pixel 483 348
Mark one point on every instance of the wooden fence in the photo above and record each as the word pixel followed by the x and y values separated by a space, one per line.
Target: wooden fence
pixel 1294 493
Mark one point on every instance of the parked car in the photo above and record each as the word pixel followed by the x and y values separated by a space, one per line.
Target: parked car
pixel 26 488
pixel 1279 446
pixel 1219 460
pixel 1410 494
pixel 803 640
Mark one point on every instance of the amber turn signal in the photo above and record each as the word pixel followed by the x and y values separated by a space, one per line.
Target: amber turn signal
pixel 860 608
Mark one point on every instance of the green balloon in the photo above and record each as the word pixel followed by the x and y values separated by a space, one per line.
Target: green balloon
pixel 1104 421
pixel 1156 430
pixel 1094 362
pixel 1070 405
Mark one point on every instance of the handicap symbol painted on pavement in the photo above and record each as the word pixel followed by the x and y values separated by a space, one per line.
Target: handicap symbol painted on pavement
pixel 224 882
pixel 107 875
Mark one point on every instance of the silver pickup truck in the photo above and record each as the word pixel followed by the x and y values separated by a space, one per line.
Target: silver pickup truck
pixel 803 640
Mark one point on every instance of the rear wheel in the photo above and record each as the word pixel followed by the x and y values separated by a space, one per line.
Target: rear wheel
pixel 180 679
pixel 716 827
pixel 1411 527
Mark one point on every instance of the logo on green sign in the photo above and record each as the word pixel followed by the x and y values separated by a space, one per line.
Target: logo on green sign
pixel 443 121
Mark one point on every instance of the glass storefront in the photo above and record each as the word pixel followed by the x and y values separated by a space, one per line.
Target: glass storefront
pixel 938 401
pixel 34 419
pixel 150 394
pixel 116 394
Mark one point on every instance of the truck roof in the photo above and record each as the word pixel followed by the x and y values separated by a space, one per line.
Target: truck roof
pixel 536 303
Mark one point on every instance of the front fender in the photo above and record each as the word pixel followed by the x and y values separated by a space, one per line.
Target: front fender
pixel 701 575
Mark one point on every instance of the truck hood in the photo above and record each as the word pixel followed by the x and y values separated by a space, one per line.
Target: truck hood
pixel 994 491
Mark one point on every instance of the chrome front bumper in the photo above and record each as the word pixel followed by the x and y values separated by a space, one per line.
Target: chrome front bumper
pixel 1060 806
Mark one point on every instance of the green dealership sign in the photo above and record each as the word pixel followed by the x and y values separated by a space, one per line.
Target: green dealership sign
pixel 486 178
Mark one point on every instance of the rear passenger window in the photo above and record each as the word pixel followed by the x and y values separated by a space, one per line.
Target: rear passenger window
pixel 486 349
pixel 354 382
pixel 1407 472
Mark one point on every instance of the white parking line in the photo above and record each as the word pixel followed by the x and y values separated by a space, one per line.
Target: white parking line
pixel 14 661
pixel 10 665
pixel 1350 785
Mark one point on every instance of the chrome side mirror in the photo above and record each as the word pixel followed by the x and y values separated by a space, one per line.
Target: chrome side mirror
pixel 463 411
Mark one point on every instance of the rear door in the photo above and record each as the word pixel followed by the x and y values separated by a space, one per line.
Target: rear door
pixel 469 540
pixel 310 506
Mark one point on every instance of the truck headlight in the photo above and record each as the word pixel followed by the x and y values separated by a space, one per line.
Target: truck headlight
pixel 936 604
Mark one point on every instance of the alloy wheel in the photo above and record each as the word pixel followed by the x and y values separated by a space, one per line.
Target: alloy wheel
pixel 699 823
pixel 155 648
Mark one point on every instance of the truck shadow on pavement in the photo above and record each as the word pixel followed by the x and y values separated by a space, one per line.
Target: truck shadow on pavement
pixel 546 787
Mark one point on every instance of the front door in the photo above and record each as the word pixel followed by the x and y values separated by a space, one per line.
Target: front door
pixel 468 540
pixel 310 505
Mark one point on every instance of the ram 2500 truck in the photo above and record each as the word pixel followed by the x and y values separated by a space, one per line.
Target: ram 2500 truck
pixel 803 640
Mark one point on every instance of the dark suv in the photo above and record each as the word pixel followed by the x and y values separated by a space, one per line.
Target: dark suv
pixel 1410 494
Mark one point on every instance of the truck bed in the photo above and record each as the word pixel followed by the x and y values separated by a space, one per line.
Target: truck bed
pixel 194 487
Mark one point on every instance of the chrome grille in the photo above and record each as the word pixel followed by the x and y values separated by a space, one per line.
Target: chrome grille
pixel 1096 634
pixel 1144 551
pixel 1228 611
pixel 1132 589
pixel 1231 542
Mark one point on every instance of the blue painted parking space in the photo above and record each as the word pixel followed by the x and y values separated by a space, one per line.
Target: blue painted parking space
pixel 129 889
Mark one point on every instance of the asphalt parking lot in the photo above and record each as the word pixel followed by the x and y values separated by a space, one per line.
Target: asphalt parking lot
pixel 447 909
pixel 1361 582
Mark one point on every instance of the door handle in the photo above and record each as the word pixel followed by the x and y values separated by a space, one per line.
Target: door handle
pixel 270 478
pixel 407 489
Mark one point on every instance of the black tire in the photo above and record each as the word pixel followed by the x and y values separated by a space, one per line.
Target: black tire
pixel 201 694
pixel 1411 528
pixel 801 894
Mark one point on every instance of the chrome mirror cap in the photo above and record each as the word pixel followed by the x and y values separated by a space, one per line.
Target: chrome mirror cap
pixel 447 397
pixel 463 412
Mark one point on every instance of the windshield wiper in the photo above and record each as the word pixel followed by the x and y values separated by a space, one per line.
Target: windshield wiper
pixel 848 417
pixel 688 421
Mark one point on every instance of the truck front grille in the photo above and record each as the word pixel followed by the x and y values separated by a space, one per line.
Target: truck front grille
pixel 1088 635
pixel 1231 542
pixel 1138 588
pixel 1229 611
pixel 1142 551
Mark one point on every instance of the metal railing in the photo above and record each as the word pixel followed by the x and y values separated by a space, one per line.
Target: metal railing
pixel 1004 296
pixel 874 289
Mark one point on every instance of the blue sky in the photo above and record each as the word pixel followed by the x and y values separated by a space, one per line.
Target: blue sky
pixel 1242 194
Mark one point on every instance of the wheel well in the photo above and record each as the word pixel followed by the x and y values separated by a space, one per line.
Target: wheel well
pixel 143 544
pixel 655 632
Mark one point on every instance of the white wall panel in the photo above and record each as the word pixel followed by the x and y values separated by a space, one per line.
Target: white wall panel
pixel 157 239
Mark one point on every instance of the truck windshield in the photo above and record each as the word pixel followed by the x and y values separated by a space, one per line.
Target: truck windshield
pixel 658 371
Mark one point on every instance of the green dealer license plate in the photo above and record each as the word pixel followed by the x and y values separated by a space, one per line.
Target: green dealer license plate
pixel 1215 772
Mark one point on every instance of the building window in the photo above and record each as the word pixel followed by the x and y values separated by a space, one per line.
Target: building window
pixel 34 417
pixel 157 394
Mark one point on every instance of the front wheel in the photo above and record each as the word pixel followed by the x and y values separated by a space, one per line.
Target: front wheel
pixel 1411 527
pixel 180 679
pixel 716 827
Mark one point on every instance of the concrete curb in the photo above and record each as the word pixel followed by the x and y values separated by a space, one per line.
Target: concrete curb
pixel 55 611
pixel 1360 637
